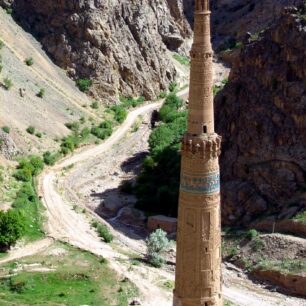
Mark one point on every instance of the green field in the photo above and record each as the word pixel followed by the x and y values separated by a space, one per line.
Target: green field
pixel 79 278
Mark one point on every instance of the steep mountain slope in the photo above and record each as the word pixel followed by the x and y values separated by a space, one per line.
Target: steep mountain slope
pixel 20 107
pixel 261 116
pixel 121 45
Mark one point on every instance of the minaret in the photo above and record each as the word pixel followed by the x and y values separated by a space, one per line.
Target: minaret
pixel 198 266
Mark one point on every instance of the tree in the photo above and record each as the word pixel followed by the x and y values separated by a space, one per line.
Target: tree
pixel 157 245
pixel 11 228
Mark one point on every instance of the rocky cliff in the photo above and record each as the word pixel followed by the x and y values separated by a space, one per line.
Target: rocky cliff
pixel 231 19
pixel 120 44
pixel 261 115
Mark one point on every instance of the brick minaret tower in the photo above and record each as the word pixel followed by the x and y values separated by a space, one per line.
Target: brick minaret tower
pixel 198 266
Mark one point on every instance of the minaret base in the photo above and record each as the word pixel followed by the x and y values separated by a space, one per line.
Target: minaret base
pixel 215 301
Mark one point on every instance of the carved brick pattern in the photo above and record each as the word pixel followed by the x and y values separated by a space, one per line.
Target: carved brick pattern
pixel 205 147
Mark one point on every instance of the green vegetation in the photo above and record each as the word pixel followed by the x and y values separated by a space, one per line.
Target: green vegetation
pixel 9 10
pixel 79 278
pixel 38 134
pixel 83 84
pixel 41 93
pixel 26 202
pixel 11 228
pixel 158 184
pixel 227 303
pixel 230 45
pixel 252 234
pixel 31 130
pixel 103 231
pixel 51 158
pixel 119 112
pixel 286 265
pixel 1 44
pixel 184 60
pixel 157 245
pixel 173 87
pixel 94 105
pixel 103 131
pixel 301 217
pixel 29 61
pixel 6 129
pixel 128 102
pixel 7 83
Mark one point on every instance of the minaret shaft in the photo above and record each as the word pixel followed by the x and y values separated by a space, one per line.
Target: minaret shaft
pixel 198 267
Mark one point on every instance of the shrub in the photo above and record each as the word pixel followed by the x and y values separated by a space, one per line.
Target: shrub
pixel 41 93
pixel 50 159
pixel 73 126
pixel 9 10
pixel 31 130
pixel 69 144
pixel 8 83
pixel 103 232
pixel 131 102
pixel 157 245
pixel 120 113
pixel 83 84
pixel 29 167
pixel 1 67
pixel 101 133
pixel 11 228
pixel 252 234
pixel 6 129
pixel 94 105
pixel 1 44
pixel 29 61
pixel 162 95
pixel 172 86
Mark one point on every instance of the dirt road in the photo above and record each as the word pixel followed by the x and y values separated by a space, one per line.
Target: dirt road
pixel 66 224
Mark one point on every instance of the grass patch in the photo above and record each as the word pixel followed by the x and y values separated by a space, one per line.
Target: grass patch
pixel 184 60
pixel 80 278
pixel 291 266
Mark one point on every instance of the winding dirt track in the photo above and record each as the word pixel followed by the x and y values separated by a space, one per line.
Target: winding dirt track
pixel 65 224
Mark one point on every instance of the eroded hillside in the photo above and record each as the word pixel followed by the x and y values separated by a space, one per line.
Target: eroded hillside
pixel 20 105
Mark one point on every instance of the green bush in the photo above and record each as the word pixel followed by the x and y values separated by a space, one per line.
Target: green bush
pixel 83 84
pixel 31 130
pixel 101 133
pixel 252 234
pixel 38 135
pixel 157 245
pixel 8 83
pixel 120 113
pixel 173 87
pixel 29 61
pixel 6 129
pixel 94 105
pixel 1 44
pixel 69 144
pixel 41 93
pixel 184 60
pixel 103 232
pixel 131 102
pixel 11 228
pixel 29 167
pixel 50 159
pixel 73 126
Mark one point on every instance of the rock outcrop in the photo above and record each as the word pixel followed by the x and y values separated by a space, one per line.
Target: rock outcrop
pixel 8 147
pixel 120 45
pixel 261 115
